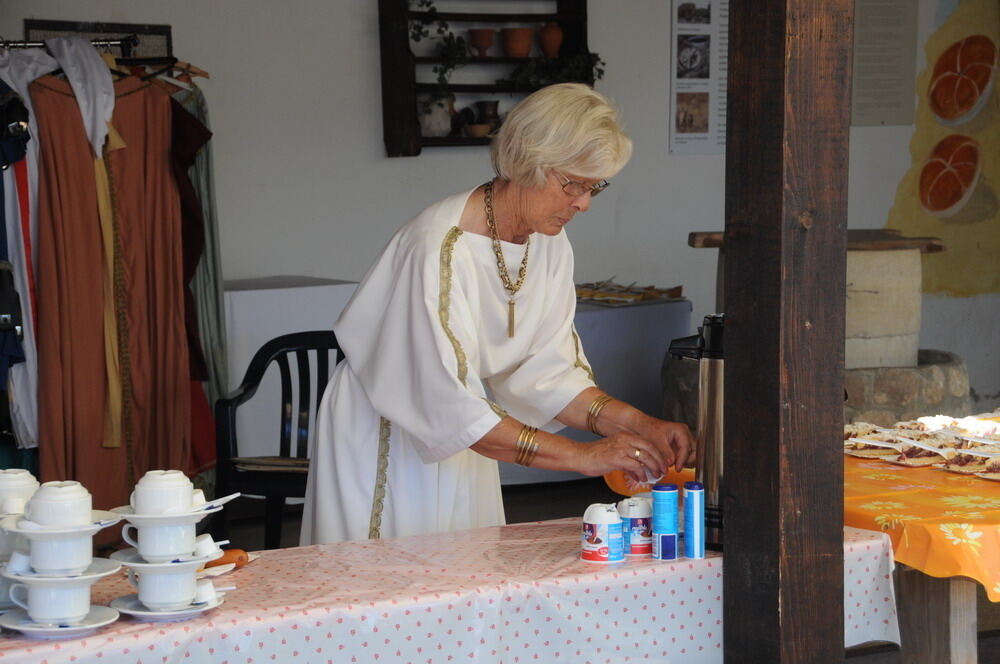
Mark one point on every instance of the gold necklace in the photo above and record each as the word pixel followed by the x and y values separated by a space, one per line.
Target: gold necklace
pixel 510 287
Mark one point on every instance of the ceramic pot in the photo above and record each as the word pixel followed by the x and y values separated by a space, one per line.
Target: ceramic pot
pixel 550 38
pixel 477 130
pixel 488 114
pixel 517 41
pixel 481 39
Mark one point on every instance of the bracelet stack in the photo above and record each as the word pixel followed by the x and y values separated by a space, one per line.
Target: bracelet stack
pixel 527 448
pixel 595 410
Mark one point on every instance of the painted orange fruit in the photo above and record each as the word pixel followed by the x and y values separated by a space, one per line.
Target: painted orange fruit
pixel 963 79
pixel 949 175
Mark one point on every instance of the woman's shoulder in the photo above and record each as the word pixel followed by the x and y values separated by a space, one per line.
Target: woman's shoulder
pixel 432 226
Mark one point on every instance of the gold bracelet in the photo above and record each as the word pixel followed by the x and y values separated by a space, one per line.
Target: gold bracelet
pixel 595 410
pixel 527 448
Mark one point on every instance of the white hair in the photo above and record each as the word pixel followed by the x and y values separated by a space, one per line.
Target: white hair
pixel 568 127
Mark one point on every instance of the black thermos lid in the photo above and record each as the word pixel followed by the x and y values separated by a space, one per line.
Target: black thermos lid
pixel 711 333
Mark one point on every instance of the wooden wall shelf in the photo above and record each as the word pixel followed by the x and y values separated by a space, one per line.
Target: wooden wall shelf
pixel 400 125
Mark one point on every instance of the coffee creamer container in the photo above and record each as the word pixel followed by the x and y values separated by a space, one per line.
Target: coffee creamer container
pixel 601 537
pixel 637 515
pixel 665 522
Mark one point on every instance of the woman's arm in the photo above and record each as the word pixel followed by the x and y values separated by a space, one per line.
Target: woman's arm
pixel 672 440
pixel 616 451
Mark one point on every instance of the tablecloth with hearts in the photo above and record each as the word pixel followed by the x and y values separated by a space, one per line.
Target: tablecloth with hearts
pixel 511 594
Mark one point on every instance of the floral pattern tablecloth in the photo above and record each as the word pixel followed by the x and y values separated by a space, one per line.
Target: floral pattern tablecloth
pixel 510 594
pixel 941 523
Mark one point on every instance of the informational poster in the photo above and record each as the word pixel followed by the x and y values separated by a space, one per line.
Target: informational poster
pixel 699 39
pixel 885 59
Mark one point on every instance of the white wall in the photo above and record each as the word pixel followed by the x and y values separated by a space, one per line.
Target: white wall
pixel 304 186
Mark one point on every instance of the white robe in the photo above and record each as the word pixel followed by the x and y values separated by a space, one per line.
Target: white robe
pixel 429 367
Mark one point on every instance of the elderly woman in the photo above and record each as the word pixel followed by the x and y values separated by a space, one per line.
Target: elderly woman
pixel 460 347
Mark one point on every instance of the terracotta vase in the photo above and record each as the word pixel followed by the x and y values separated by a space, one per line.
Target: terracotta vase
pixel 488 113
pixel 481 39
pixel 517 41
pixel 550 38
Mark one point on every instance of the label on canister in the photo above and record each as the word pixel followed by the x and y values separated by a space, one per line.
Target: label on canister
pixel 636 514
pixel 665 546
pixel 601 537
pixel 694 518
pixel 665 508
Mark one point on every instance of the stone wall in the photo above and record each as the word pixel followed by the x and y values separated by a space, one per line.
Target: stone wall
pixel 938 385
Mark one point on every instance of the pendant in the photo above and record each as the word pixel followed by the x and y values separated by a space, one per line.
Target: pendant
pixel 510 318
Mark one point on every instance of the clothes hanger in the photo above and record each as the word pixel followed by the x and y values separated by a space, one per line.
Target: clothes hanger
pixel 191 70
pixel 164 70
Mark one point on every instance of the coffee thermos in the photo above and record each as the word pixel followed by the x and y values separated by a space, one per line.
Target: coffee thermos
pixel 706 347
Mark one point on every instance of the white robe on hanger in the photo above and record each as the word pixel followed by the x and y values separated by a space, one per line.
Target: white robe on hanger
pixel 428 366
pixel 18 68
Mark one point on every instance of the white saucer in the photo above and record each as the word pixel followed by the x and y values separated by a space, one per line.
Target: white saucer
pixel 126 512
pixel 130 605
pixel 98 567
pixel 131 558
pixel 18 620
pixel 99 519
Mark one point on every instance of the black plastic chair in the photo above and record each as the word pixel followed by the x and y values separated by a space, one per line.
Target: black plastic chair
pixel 283 475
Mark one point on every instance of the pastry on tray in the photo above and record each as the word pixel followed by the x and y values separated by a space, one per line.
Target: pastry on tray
pixel 972 461
pixel 992 471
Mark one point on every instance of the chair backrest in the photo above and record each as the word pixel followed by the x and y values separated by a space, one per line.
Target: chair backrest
pixel 296 399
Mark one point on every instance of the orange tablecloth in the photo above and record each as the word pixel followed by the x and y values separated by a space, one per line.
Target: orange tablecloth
pixel 941 523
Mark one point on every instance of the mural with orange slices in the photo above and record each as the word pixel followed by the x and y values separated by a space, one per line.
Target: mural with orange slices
pixel 952 189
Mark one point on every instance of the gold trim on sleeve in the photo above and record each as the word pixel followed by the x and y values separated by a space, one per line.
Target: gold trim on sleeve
pixel 579 362
pixel 496 408
pixel 444 301
pixel 378 498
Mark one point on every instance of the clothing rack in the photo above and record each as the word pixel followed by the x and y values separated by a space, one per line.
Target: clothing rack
pixel 126 44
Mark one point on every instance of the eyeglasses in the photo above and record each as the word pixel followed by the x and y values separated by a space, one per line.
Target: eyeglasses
pixel 574 188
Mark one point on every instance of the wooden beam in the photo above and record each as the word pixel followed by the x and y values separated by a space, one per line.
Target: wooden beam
pixel 786 227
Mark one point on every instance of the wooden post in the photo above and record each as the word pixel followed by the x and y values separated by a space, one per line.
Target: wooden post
pixel 786 208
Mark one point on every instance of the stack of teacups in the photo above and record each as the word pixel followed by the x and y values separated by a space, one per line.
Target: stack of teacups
pixel 51 577
pixel 163 516
pixel 16 488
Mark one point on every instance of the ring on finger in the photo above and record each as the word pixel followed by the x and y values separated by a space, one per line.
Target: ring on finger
pixel 637 453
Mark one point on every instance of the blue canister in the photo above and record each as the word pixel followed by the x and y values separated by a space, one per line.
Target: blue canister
pixel 694 520
pixel 665 522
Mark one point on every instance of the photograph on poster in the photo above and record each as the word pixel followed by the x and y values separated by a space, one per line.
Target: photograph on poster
pixel 694 12
pixel 693 56
pixel 692 113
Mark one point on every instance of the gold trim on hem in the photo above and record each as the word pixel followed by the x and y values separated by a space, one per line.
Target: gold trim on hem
pixel 378 497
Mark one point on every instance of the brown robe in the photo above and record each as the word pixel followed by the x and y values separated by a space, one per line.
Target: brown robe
pixel 72 381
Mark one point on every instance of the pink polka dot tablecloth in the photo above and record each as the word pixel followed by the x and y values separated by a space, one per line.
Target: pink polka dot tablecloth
pixel 512 594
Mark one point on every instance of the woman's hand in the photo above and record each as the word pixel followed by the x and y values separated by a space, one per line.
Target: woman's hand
pixel 674 439
pixel 625 451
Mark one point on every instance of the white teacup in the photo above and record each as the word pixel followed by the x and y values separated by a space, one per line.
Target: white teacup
pixel 18 563
pixel 204 545
pixel 205 592
pixel 17 486
pixel 60 505
pixel 167 589
pixel 160 544
pixel 163 492
pixel 63 556
pixel 62 604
